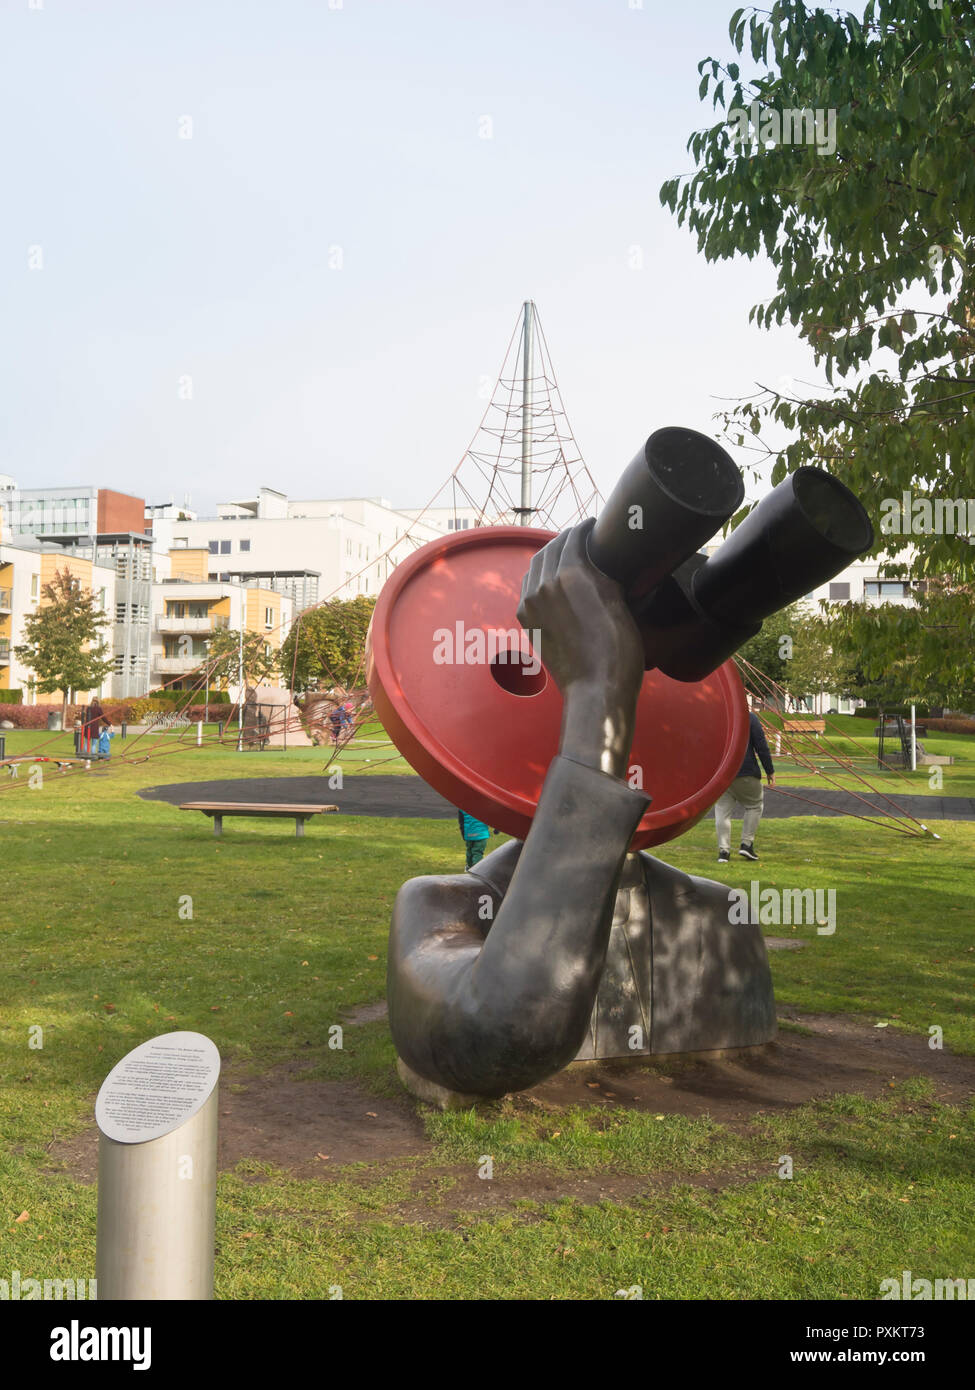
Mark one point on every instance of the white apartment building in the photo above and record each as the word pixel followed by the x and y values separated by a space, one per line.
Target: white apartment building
pixel 862 582
pixel 307 549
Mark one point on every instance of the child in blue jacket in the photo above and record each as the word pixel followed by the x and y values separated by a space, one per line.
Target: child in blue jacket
pixel 104 740
pixel 476 835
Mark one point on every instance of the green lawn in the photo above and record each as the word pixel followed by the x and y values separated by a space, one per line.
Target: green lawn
pixel 288 934
pixel 370 751
pixel 848 738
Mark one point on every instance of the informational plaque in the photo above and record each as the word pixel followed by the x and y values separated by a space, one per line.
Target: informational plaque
pixel 157 1087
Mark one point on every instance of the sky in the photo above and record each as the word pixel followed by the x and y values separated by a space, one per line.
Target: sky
pixel 252 242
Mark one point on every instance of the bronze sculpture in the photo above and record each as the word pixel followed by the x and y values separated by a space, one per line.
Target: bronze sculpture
pixel 566 945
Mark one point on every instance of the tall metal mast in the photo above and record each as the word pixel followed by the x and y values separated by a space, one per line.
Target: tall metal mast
pixel 526 414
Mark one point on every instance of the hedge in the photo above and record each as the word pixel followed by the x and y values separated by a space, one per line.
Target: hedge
pixel 35 716
pixel 185 697
pixel 951 726
pixel 891 711
pixel 28 716
pixel 11 697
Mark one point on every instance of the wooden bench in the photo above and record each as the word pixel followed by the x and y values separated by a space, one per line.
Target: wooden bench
pixel 804 726
pixel 218 809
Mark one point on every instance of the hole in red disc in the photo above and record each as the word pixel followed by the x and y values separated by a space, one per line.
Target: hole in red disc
pixel 517 675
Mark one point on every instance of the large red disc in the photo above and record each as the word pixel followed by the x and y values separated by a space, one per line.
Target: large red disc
pixel 487 748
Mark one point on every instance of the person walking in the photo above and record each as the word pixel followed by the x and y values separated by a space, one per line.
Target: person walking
pixel 91 728
pixel 476 835
pixel 746 792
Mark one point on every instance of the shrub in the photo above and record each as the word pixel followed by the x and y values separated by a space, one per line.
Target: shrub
pixel 951 726
pixel 30 716
pixel 11 697
pixel 891 711
pixel 119 711
pixel 215 716
pixel 181 698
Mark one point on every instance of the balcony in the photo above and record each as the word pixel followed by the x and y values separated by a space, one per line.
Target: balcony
pixel 6 600
pixel 165 622
pixel 177 665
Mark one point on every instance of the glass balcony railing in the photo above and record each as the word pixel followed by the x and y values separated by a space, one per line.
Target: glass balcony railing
pixel 171 622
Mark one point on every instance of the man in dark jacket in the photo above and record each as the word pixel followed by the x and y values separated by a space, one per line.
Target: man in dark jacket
pixel 746 792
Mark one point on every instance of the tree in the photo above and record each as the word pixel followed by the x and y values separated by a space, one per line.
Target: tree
pixel 902 654
pixel 223 659
pixel 794 650
pixel 814 667
pixel 64 646
pixel 327 644
pixel 866 211
pixel 769 652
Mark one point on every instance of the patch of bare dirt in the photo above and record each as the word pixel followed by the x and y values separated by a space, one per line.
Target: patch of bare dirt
pixel 311 1127
pixel 841 1055
pixel 281 1119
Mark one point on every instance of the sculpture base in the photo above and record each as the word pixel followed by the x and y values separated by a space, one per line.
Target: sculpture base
pixel 432 1092
pixel 644 1059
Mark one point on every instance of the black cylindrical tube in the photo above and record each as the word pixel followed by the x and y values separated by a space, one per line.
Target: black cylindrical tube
pixel 672 498
pixel 802 534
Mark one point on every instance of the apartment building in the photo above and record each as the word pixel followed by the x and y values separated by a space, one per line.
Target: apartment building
pixel 188 607
pixel 25 569
pixel 106 529
pixel 310 549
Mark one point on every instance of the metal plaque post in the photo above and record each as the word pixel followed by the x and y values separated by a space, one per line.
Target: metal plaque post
pixel 157 1170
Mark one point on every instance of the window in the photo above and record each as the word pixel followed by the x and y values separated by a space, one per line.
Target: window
pixel 225 579
pixel 348 547
pixel 224 547
pixel 214 547
pixel 884 588
pixel 35 591
pixel 245 545
pixel 839 591
pixel 212 577
pixel 269 618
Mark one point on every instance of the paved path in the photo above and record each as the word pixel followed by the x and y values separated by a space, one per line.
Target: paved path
pixel 411 797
